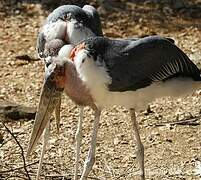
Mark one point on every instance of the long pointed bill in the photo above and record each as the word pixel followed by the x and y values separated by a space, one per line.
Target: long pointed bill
pixel 49 99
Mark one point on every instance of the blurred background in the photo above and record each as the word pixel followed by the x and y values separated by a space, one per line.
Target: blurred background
pixel 172 150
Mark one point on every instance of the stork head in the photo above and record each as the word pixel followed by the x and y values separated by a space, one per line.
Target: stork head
pixel 53 86
pixel 56 48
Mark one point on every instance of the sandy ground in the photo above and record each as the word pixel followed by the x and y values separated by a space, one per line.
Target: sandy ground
pixel 171 151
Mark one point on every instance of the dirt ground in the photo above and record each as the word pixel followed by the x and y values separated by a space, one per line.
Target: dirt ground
pixel 172 151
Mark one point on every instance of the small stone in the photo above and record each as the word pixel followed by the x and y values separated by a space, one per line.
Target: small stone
pixel 169 140
pixel 116 141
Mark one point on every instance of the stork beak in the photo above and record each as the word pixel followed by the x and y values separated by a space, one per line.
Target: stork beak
pixel 49 100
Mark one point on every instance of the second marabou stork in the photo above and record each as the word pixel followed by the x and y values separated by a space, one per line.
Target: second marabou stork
pixel 101 72
pixel 64 27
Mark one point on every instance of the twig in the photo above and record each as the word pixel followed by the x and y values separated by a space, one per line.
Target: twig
pixel 10 170
pixel 22 151
pixel 189 121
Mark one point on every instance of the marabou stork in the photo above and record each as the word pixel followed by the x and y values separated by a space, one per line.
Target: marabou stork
pixel 102 72
pixel 68 24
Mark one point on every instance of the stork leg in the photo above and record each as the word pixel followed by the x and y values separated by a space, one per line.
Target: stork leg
pixel 140 147
pixel 78 139
pixel 89 162
pixel 45 142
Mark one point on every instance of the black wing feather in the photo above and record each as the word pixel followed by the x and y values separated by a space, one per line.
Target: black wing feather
pixel 137 64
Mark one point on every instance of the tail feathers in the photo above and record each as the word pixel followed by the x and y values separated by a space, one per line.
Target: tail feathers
pixel 189 68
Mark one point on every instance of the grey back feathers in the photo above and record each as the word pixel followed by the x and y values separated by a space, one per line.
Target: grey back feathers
pixel 138 63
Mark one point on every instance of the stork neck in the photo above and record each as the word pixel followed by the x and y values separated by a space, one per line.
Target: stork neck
pixel 75 87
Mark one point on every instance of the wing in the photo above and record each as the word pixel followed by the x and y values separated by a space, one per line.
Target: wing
pixel 137 64
pixel 95 23
pixel 138 38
